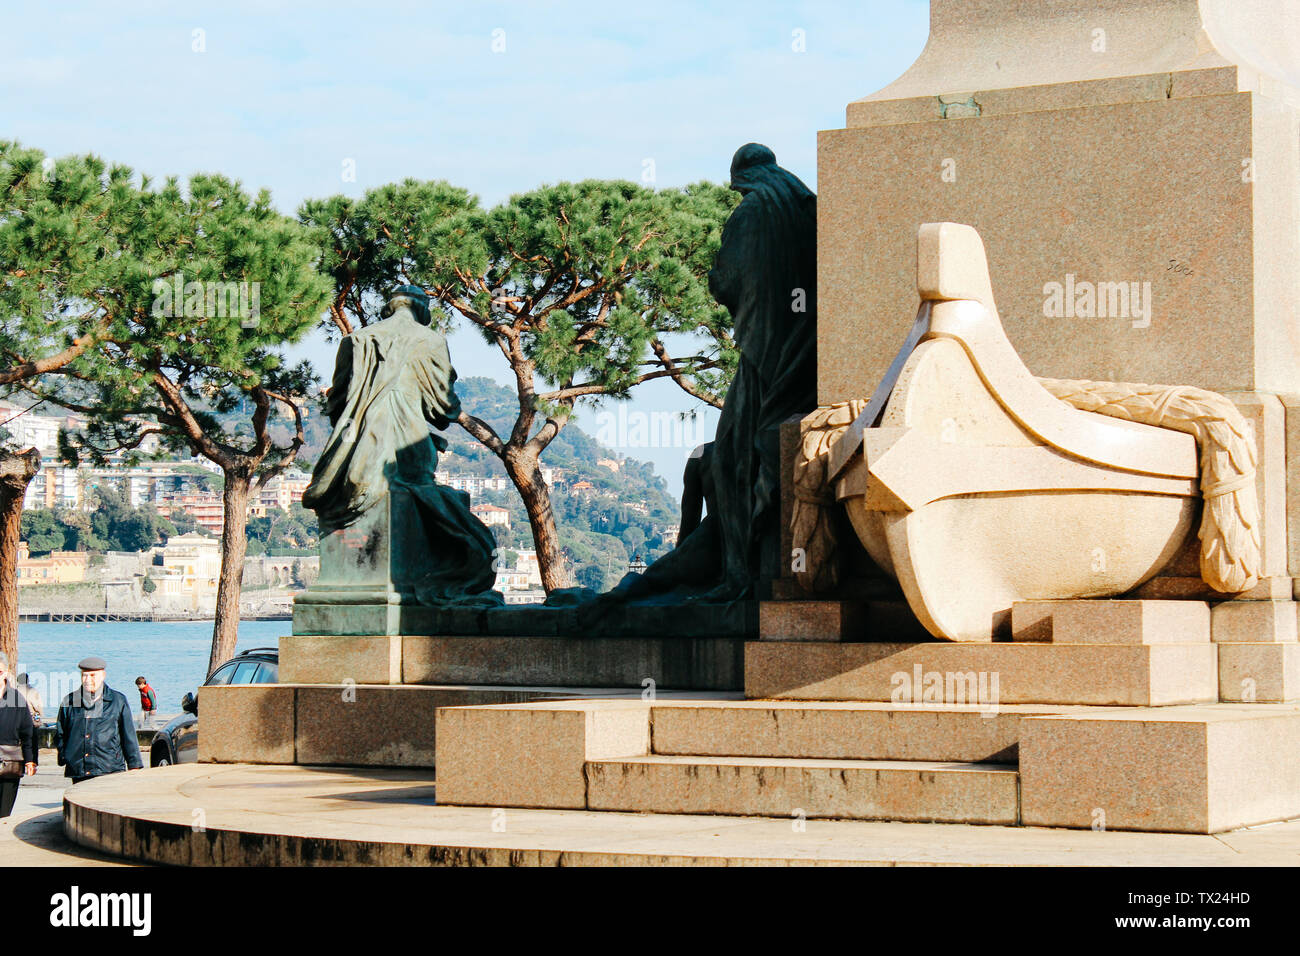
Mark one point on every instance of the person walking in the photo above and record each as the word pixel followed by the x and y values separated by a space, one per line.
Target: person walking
pixel 148 702
pixel 35 702
pixel 17 739
pixel 95 735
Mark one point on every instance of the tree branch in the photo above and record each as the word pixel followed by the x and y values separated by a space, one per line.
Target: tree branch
pixel 483 432
pixel 676 374
pixel 189 425
pixel 299 439
pixel 31 369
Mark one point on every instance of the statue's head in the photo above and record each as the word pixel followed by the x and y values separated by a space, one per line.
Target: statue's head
pixel 410 297
pixel 747 162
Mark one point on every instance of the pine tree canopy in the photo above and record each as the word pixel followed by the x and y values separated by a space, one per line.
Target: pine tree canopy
pixel 181 297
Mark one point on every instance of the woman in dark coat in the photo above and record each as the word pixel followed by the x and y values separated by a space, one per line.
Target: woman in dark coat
pixel 17 739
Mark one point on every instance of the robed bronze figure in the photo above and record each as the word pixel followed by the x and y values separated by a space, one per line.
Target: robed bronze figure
pixel 392 381
pixel 766 276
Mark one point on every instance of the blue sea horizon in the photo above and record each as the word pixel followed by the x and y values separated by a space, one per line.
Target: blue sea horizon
pixel 172 656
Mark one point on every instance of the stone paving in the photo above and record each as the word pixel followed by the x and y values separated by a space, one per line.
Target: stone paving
pixel 33 834
pixel 212 814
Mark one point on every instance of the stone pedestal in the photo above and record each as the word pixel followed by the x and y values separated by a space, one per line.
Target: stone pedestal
pixel 1111 622
pixel 1052 128
pixel 679 648
pixel 356 725
pixel 1180 769
pixel 1108 140
pixel 359 589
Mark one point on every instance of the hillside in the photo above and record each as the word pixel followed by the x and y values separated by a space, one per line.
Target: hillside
pixel 627 512
pixel 624 515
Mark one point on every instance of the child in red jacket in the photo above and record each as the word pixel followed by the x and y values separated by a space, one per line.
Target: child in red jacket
pixel 148 701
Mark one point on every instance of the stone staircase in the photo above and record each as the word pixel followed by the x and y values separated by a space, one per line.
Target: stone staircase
pixel 913 791
pixel 1125 715
pixel 855 761
pixel 796 759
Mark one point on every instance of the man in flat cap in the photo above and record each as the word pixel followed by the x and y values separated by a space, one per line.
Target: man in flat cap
pixel 95 733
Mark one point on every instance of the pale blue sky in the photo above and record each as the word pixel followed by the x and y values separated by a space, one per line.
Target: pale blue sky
pixel 283 94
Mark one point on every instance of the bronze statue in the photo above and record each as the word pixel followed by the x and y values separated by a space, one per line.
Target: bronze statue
pixel 392 380
pixel 766 276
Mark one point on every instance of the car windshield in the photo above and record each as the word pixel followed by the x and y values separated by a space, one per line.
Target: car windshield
pixel 222 674
pixel 268 673
pixel 244 672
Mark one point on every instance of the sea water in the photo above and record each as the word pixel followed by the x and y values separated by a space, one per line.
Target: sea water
pixel 172 657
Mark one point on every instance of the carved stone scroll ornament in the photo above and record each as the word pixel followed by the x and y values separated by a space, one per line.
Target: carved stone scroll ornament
pixel 1229 532
pixel 811 527
pixel 978 485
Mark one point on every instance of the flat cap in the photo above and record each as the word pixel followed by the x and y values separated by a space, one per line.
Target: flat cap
pixel 93 664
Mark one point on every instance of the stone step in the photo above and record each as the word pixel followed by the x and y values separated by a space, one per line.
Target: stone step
pixel 909 791
pixel 1112 622
pixel 842 730
pixel 359 725
pixel 1202 769
pixel 1133 675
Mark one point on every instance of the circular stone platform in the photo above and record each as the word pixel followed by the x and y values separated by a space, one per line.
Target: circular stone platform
pixel 241 814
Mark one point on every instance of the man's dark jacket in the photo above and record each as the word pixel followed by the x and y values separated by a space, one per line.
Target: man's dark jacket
pixel 16 730
pixel 96 737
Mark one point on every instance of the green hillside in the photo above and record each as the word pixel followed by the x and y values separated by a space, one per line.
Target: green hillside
pixel 623 516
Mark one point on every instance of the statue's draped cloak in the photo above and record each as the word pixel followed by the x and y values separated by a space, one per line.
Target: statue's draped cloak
pixel 766 276
pixel 391 381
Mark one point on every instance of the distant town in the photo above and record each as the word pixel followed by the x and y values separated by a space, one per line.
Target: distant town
pixel 62 572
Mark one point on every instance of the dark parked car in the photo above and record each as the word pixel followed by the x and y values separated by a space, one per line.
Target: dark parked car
pixel 178 742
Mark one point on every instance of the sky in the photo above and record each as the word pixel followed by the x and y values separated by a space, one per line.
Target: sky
pixel 309 100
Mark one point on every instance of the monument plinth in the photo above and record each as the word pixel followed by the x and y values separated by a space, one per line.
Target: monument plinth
pixel 1104 566
pixel 1088 141
pixel 1133 167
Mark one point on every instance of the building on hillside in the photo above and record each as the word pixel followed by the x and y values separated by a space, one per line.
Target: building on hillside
pixel 58 486
pixel 28 429
pixel 58 567
pixel 206 464
pixel 207 510
pixel 473 485
pixel 32 429
pixel 191 565
pixel 537 596
pixel 477 484
pixel 526 575
pixel 283 491
pixel 611 463
pixel 583 488
pixel 491 515
pixel 529 564
pixel 54 486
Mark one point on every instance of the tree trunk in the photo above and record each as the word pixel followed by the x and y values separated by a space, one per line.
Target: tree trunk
pixel 525 471
pixel 16 472
pixel 234 542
